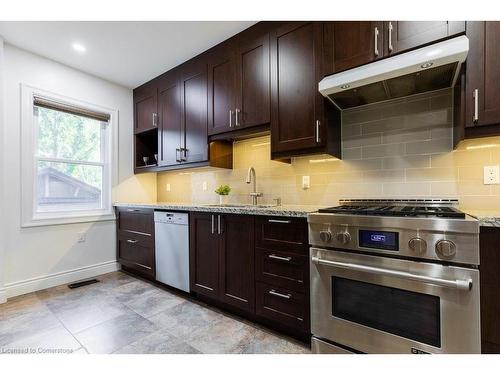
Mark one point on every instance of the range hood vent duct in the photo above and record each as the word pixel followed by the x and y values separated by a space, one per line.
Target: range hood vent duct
pixel 426 69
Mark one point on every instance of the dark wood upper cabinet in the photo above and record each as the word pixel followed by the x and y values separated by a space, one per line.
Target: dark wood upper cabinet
pixel 203 255
pixel 296 107
pixel 405 35
pixel 482 94
pixel 169 116
pixel 145 108
pixel 236 267
pixel 253 81
pixel 302 122
pixel 356 43
pixel 221 88
pixel 194 111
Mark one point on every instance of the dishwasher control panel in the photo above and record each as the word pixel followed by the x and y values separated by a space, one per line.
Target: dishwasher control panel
pixel 181 218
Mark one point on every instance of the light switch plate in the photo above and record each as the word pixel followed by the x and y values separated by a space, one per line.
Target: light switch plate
pixel 205 187
pixel 492 175
pixel 306 182
pixel 168 187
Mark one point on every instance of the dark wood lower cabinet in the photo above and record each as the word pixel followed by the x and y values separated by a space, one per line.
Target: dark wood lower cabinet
pixel 136 240
pixel 269 284
pixel 490 289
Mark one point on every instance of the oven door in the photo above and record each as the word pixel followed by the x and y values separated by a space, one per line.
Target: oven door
pixel 383 305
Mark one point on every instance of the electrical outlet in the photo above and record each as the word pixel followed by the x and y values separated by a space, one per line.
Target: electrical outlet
pixel 167 187
pixel 205 187
pixel 82 237
pixel 306 182
pixel 491 175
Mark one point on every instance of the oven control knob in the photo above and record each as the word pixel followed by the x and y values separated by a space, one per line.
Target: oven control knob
pixel 343 237
pixel 417 245
pixel 446 248
pixel 325 235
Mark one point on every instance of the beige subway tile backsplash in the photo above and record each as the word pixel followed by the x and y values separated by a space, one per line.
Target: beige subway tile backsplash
pixel 402 148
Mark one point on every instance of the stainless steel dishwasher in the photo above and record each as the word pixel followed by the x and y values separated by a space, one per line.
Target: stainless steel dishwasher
pixel 172 249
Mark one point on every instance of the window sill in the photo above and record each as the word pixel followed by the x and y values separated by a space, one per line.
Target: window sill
pixel 41 222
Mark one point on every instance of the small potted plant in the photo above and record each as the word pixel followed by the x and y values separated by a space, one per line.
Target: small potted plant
pixel 223 191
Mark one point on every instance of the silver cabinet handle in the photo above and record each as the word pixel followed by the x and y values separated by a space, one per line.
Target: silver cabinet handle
pixel 390 37
pixel 279 221
pixel 213 224
pixel 178 158
pixel 281 295
pixel 230 118
pixel 277 257
pixel 132 210
pixel 132 241
pixel 237 117
pixel 457 284
pixel 475 95
pixel 143 266
pixel 185 151
pixel 219 230
pixel 376 42
pixel 155 120
pixel 318 124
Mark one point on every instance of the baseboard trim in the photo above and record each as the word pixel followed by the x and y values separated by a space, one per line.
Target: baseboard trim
pixel 38 283
pixel 3 296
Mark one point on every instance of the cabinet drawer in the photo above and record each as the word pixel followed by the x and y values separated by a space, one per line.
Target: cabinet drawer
pixel 138 220
pixel 281 233
pixel 283 306
pixel 283 269
pixel 136 254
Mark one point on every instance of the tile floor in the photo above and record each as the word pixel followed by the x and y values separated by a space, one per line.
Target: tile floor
pixel 122 314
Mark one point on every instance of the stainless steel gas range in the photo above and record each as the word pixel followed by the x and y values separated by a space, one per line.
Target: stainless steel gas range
pixel 394 276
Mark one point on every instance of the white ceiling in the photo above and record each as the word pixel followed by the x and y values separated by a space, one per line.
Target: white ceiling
pixel 127 53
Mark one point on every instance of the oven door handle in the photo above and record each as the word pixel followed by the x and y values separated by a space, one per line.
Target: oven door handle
pixel 458 284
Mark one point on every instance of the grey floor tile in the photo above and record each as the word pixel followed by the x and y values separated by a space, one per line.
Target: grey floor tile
pixel 267 343
pixel 21 326
pixel 115 333
pixel 224 337
pixel 152 302
pixel 160 342
pixel 130 291
pixel 87 311
pixel 51 341
pixel 185 319
pixel 16 306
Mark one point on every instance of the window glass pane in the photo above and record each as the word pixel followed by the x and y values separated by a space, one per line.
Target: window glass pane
pixel 67 186
pixel 65 136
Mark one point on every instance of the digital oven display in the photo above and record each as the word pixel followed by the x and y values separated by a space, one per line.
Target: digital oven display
pixel 379 240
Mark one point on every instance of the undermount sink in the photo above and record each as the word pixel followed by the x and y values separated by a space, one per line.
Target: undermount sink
pixel 240 205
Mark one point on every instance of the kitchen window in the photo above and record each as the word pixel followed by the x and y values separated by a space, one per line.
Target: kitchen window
pixel 67 153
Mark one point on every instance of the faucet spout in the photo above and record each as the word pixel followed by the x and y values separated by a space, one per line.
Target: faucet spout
pixel 251 177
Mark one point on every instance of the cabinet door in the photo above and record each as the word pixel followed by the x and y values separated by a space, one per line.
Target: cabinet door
pixel 169 108
pixel 203 255
pixel 194 111
pixel 482 96
pixel 405 35
pixel 356 43
pixel 145 108
pixel 221 89
pixel 237 261
pixel 296 110
pixel 253 82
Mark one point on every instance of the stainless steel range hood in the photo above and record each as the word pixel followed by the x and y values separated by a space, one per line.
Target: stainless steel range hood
pixel 426 69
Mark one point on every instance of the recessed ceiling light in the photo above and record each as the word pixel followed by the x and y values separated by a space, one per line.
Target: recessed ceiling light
pixel 426 65
pixel 78 47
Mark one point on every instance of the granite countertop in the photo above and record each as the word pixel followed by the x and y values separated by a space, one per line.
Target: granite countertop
pixel 486 218
pixel 285 210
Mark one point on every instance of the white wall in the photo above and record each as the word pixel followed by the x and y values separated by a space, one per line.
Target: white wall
pixel 2 237
pixel 36 258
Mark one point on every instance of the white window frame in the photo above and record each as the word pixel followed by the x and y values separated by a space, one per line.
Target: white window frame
pixel 29 171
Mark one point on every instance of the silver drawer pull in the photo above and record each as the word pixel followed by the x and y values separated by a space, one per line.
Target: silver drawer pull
pixel 277 257
pixel 279 221
pixel 132 241
pixel 281 295
pixel 376 42
pixel 132 210
pixel 143 266
pixel 475 117
pixel 456 284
